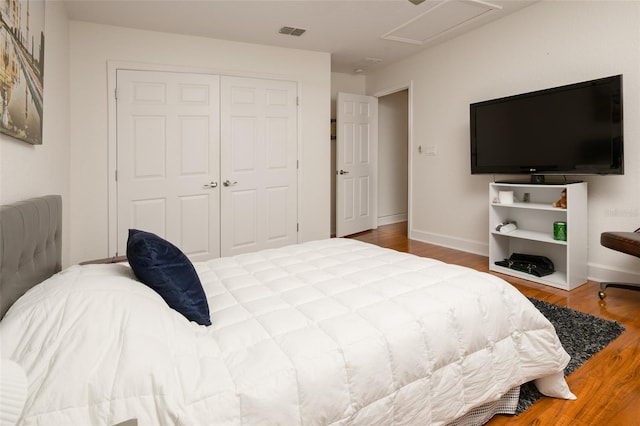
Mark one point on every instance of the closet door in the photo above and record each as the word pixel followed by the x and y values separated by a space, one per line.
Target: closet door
pixel 168 159
pixel 258 168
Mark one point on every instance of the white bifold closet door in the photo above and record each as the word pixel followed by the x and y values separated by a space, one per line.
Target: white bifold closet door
pixel 258 164
pixel 205 161
pixel 168 147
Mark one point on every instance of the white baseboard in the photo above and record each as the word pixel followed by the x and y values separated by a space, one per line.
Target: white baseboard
pixel 394 218
pixel 451 242
pixel 600 273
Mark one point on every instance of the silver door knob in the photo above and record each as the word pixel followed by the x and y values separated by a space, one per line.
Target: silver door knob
pixel 212 184
pixel 343 172
pixel 228 183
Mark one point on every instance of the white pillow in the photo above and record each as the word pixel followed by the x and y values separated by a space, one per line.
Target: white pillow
pixel 13 392
pixel 554 386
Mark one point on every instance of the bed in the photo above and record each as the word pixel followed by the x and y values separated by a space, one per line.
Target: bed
pixel 330 332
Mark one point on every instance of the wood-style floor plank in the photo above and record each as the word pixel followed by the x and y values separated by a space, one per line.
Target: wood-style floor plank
pixel 607 385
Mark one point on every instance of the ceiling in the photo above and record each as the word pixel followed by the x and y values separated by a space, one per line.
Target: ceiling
pixel 361 35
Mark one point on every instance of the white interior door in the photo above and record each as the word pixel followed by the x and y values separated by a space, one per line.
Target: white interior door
pixel 356 163
pixel 168 159
pixel 258 164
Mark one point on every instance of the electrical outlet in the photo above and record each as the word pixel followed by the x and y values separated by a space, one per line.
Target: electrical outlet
pixel 431 150
pixel 622 212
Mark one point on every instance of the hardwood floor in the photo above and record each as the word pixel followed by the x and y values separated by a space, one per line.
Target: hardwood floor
pixel 607 385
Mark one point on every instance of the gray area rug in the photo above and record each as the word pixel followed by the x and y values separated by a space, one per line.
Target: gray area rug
pixel 582 335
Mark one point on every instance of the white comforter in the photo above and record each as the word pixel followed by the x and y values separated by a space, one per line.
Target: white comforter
pixel 327 332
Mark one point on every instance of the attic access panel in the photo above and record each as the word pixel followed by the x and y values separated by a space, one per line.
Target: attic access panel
pixel 440 19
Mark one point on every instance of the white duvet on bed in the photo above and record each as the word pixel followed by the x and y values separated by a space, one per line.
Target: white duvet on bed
pixel 327 332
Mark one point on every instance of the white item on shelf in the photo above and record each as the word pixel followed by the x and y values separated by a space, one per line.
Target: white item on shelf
pixel 505 197
pixel 509 227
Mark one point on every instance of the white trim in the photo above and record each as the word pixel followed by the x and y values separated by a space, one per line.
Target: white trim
pixel 112 187
pixel 394 89
pixel 299 155
pixel 598 272
pixel 392 218
pixel 148 66
pixel 461 244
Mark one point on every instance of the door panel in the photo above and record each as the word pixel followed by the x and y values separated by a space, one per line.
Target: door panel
pixel 194 149
pixel 276 220
pixel 168 159
pixel 259 161
pixel 148 214
pixel 195 209
pixel 149 143
pixel 243 224
pixel 356 163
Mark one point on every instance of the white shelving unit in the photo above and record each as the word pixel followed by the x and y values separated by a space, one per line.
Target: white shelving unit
pixel 534 233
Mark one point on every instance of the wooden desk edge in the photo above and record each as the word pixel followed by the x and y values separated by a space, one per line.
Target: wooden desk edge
pixel 115 259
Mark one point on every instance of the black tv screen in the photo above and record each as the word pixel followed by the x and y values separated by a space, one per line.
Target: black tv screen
pixel 574 129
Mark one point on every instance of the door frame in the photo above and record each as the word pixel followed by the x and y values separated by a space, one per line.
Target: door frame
pixel 112 186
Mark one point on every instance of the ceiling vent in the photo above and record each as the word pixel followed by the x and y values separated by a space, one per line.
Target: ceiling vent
pixel 292 31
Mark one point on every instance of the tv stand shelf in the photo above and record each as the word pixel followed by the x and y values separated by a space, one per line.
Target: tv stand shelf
pixel 534 234
pixel 528 206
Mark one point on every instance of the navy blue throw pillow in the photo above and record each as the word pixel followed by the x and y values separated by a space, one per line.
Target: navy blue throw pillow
pixel 166 269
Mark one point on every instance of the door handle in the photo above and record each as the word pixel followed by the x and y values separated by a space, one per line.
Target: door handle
pixel 343 172
pixel 212 184
pixel 229 183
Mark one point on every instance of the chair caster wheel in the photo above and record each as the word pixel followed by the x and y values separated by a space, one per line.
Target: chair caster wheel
pixel 602 294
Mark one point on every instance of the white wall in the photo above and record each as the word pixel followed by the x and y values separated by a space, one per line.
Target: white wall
pixel 32 170
pixel 548 44
pixel 92 46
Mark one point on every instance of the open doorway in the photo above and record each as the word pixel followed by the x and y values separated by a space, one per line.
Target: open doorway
pixel 392 162
pixel 393 157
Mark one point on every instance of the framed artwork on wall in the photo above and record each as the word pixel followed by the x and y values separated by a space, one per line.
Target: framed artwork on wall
pixel 22 69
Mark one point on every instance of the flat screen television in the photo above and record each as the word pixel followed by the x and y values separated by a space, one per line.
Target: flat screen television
pixel 569 130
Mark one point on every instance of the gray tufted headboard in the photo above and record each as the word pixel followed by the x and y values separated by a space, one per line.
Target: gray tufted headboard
pixel 30 245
